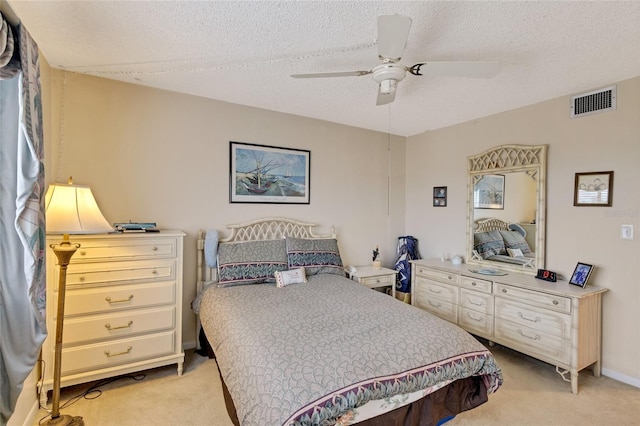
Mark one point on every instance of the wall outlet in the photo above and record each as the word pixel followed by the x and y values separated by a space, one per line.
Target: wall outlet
pixel 626 232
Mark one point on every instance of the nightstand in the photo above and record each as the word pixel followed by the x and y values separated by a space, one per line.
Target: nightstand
pixel 375 278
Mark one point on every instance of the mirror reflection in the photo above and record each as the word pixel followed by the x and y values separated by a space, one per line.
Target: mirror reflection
pixel 507 207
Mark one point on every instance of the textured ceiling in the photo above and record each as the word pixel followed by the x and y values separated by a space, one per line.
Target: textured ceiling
pixel 244 52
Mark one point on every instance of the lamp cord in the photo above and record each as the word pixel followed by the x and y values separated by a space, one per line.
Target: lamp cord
pixel 90 393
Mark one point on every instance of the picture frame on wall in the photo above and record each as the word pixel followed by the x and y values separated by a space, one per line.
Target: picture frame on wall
pixel 581 274
pixel 268 174
pixel 439 196
pixel 593 189
pixel 488 192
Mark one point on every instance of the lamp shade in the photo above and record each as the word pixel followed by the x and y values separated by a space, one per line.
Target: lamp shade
pixel 72 209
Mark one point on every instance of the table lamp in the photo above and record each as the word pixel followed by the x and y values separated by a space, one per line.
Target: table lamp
pixel 70 209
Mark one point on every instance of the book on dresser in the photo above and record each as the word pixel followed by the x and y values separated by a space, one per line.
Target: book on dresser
pixel 123 306
pixel 555 322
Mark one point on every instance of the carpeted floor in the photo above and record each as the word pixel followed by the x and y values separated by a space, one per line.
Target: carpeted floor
pixel 533 394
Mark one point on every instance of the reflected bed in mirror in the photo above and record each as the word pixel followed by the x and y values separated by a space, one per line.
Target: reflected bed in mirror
pixel 516 211
pixel 499 241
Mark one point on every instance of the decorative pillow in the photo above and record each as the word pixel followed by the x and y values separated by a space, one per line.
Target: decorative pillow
pixel 515 252
pixel 513 240
pixel 489 244
pixel 292 276
pixel 320 256
pixel 250 262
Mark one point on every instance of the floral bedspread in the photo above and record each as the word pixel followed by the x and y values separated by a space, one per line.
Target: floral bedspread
pixel 309 353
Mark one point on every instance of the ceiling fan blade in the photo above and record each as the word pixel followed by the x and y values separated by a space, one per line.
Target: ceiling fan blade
pixel 393 31
pixel 386 94
pixel 457 69
pixel 332 74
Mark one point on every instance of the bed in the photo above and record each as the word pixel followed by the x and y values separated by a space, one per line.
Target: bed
pixel 500 241
pixel 307 346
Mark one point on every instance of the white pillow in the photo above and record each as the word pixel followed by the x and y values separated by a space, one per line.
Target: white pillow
pixel 515 252
pixel 293 276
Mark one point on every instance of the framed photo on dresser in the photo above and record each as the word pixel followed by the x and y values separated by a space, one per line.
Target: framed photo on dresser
pixel 581 274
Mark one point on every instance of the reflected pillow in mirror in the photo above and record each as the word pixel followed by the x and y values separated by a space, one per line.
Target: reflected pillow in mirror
pixel 489 244
pixel 515 252
pixel 514 240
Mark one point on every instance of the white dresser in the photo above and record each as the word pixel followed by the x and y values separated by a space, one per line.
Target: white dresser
pixel 123 306
pixel 558 323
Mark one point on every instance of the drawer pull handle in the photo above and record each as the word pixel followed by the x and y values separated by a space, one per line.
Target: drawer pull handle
pixel 435 305
pixel 154 272
pixel 378 280
pixel 128 299
pixel 536 319
pixel 155 248
pixel 555 302
pixel 450 277
pixel 473 283
pixel 109 354
pixel 83 252
pixel 536 337
pixel 437 291
pixel 108 326
pixel 473 302
pixel 471 317
pixel 504 290
pixel 81 278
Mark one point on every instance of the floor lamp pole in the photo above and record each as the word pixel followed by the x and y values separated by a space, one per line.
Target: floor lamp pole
pixel 63 251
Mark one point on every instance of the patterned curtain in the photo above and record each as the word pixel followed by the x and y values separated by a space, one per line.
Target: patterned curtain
pixel 22 224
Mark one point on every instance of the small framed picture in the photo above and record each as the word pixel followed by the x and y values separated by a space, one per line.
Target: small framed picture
pixel 593 189
pixel 439 196
pixel 581 274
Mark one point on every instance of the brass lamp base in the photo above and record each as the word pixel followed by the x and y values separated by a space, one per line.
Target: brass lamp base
pixel 65 420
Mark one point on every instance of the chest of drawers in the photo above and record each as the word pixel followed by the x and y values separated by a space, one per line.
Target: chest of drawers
pixel 555 322
pixel 123 306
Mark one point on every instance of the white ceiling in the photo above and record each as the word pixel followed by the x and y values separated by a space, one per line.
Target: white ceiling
pixel 244 52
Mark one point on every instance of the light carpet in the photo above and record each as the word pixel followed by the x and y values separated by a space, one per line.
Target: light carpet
pixel 532 394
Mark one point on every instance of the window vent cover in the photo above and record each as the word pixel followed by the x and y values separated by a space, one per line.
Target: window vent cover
pixel 600 100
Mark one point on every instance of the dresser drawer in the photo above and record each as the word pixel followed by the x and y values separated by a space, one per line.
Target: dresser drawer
pixel 441 276
pixel 131 248
pixel 117 325
pixel 115 298
pixel 549 301
pixel 445 310
pixel 379 281
pixel 431 289
pixel 476 284
pixel 119 272
pixel 477 301
pixel 479 322
pixel 121 351
pixel 536 342
pixel 549 322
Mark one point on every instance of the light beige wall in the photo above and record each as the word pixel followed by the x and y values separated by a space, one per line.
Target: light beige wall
pixel 607 141
pixel 152 155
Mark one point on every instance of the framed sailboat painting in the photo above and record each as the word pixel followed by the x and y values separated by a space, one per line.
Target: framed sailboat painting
pixel 268 174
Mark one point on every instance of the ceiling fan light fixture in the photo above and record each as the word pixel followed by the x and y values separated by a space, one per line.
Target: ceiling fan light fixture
pixel 388 86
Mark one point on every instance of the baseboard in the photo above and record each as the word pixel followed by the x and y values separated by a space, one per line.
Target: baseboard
pixel 633 381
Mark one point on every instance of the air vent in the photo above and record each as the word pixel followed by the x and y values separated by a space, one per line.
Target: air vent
pixel 600 100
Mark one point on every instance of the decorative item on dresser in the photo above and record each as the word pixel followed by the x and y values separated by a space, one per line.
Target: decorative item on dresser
pixel 555 322
pixel 123 307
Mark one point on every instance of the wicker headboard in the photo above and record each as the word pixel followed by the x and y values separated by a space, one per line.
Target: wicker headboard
pixel 490 224
pixel 261 229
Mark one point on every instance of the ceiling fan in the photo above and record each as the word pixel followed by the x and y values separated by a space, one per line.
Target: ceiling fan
pixel 393 31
